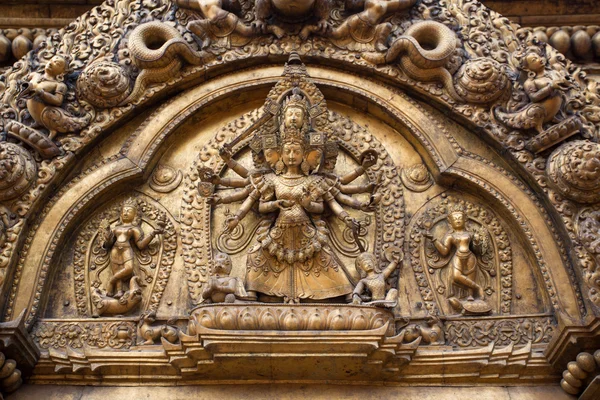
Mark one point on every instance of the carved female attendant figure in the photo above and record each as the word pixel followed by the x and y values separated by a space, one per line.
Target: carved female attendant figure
pixel 121 240
pixel 463 262
pixel 373 280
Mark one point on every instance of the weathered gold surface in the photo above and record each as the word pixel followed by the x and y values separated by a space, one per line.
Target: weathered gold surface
pixel 395 202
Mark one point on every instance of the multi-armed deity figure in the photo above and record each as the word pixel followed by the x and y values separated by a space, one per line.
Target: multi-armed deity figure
pixel 464 292
pixel 292 258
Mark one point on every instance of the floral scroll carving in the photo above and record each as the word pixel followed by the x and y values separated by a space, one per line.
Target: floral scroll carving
pixel 76 335
pixel 517 331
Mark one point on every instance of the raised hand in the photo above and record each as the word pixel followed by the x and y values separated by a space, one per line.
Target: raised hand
pixel 231 223
pixel 225 153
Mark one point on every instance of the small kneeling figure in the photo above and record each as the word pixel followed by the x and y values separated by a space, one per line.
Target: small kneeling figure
pixel 221 288
pixel 373 281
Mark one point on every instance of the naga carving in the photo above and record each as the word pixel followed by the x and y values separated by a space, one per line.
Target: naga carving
pixel 45 93
pixel 546 91
pixel 159 52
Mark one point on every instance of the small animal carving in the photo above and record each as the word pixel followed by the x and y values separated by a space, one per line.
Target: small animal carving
pixel 151 334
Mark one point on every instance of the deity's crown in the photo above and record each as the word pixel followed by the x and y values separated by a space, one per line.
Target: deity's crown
pixel 130 203
pixel 296 99
pixel 457 208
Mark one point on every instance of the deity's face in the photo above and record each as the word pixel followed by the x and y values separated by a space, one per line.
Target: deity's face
pixel 128 214
pixel 293 117
pixel 535 62
pixel 271 156
pixel 292 154
pixel 457 220
pixel 366 262
pixel 56 66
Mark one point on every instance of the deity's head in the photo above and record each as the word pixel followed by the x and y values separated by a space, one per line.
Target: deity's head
pixel 295 111
pixel 222 264
pixel 293 117
pixel 366 264
pixel 129 211
pixel 533 61
pixel 457 217
pixel 292 154
pixel 271 156
pixel 56 66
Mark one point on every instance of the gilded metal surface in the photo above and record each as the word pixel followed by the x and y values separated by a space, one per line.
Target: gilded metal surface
pixel 170 217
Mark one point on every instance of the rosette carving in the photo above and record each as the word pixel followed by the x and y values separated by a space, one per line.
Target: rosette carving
pixel 17 170
pixel 417 178
pixel 574 169
pixel 104 84
pixel 481 80
pixel 165 179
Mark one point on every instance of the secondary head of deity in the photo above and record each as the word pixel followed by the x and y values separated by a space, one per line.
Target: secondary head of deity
pixel 295 111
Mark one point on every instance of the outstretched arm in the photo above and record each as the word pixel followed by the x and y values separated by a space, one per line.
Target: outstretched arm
pixel 352 175
pixel 227 198
pixel 232 182
pixel 239 169
pixel 355 189
pixel 351 202
pixel 246 206
pixel 390 268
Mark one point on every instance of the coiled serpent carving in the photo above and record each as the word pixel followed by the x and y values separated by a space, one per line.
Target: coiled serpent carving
pixel 159 51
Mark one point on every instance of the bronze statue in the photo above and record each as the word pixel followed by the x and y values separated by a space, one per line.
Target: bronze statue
pixel 222 288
